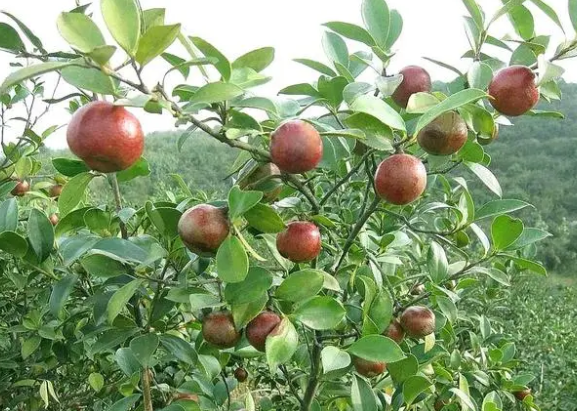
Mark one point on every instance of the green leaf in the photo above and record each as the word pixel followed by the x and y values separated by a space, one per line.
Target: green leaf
pixel 9 215
pixel 332 89
pixel 216 92
pixel 302 89
pixel 208 50
pixel 529 236
pixel 265 219
pixel 523 22
pixel 231 261
pixel 125 404
pixel 480 75
pixel 548 71
pixel 437 263
pixel 73 192
pixel 550 12
pixel 10 39
pixel 122 17
pixel 336 48
pixel 155 41
pixel 377 313
pixel 60 293
pixel 164 219
pixel 27 32
pixel 486 176
pixel 120 298
pixel 497 207
pixel 301 285
pixel 152 17
pixel 180 348
pixel 103 266
pixel 510 5
pixel 573 13
pixel 281 344
pixel 144 347
pixel 102 54
pixel 69 167
pixel 80 31
pixel 378 135
pixel 244 313
pixel 40 234
pixel 505 231
pixel 362 395
pixel 376 18
pixel 32 71
pixel 401 370
pixel 315 65
pixel 334 359
pixel 380 110
pixel 351 31
pixel 475 13
pixel 395 28
pixel 111 339
pixel 530 265
pixel 13 243
pixel 257 60
pixel 320 313
pixel 123 249
pixel 139 169
pixel 448 308
pixel 414 386
pixel 239 201
pixel 377 348
pixel 96 381
pixel 256 284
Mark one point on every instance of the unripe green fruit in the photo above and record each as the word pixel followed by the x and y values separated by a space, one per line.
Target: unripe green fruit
pixel 218 329
pixel 418 321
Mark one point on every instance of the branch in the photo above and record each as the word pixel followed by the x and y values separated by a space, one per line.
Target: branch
pixel 352 172
pixel 290 178
pixel 118 201
pixel 313 383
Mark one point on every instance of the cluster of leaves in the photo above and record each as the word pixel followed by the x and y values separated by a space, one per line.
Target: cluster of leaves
pixel 105 309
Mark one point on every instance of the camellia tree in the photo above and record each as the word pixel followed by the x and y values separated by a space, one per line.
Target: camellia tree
pixel 348 268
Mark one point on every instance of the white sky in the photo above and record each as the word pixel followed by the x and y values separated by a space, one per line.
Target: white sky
pixel 433 28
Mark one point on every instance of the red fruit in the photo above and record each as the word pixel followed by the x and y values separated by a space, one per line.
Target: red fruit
pixel 401 179
pixel 22 187
pixel 106 137
pixel 445 135
pixel 369 369
pixel 514 91
pixel 259 179
pixel 418 321
pixel 521 395
pixel 260 327
pixel 296 147
pixel 300 242
pixel 203 228
pixel 395 332
pixel 218 329
pixel 240 374
pixel 439 404
pixel 415 80
pixel 53 219
pixel 55 190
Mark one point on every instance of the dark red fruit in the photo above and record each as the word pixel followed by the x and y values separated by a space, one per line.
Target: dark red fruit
pixel 418 321
pixel 369 369
pixel 440 404
pixel 218 329
pixel 106 137
pixel 415 80
pixel 22 187
pixel 445 135
pixel 296 147
pixel 55 190
pixel 54 219
pixel 260 179
pixel 401 179
pixel 521 395
pixel 260 327
pixel 395 332
pixel 514 91
pixel 240 374
pixel 300 242
pixel 203 228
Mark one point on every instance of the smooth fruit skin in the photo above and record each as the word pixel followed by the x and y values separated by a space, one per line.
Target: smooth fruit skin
pixel 521 395
pixel 240 374
pixel 22 187
pixel 369 369
pixel 106 137
pixel 395 332
pixel 260 327
pixel 300 242
pixel 203 228
pixel 514 91
pixel 445 135
pixel 296 147
pixel 271 187
pixel 55 191
pixel 218 329
pixel 54 219
pixel 418 321
pixel 415 80
pixel 400 179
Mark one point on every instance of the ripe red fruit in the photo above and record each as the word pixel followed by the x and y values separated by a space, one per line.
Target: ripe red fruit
pixel 445 135
pixel 203 228
pixel 259 179
pixel 260 327
pixel 218 329
pixel 54 219
pixel 521 395
pixel 415 80
pixel 55 190
pixel 240 374
pixel 296 147
pixel 106 137
pixel 401 179
pixel 439 404
pixel 300 242
pixel 514 91
pixel 369 369
pixel 395 332
pixel 418 321
pixel 22 187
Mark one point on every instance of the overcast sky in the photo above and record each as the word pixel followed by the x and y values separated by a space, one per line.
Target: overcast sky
pixel 432 28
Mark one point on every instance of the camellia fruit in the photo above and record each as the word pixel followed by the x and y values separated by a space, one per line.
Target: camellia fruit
pixel 22 187
pixel 260 327
pixel 400 179
pixel 54 219
pixel 440 404
pixel 521 395
pixel 418 321
pixel 369 369
pixel 240 374
pixel 296 147
pixel 418 289
pixel 260 179
pixel 415 80
pixel 513 91
pixel 55 191
pixel 185 397
pixel 300 242
pixel 395 332
pixel 203 228
pixel 445 135
pixel 218 329
pixel 106 137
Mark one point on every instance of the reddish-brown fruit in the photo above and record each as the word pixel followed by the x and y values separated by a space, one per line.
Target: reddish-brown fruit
pixel 259 179
pixel 369 369
pixel 514 91
pixel 415 80
pixel 54 219
pixel 296 147
pixel 218 329
pixel 395 332
pixel 22 187
pixel 260 327
pixel 487 141
pixel 439 404
pixel 401 179
pixel 240 374
pixel 106 137
pixel 186 397
pixel 445 135
pixel 418 289
pixel 203 228
pixel 521 395
pixel 55 190
pixel 418 321
pixel 300 242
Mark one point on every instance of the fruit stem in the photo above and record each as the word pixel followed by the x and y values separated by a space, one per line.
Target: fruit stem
pixel 113 180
